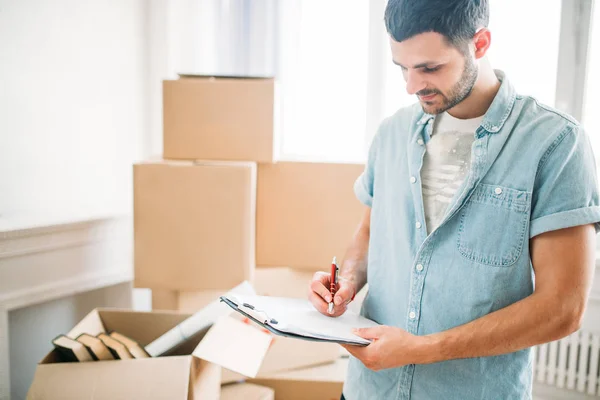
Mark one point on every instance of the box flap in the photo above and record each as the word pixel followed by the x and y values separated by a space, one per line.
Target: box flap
pixel 205 380
pixel 155 378
pixel 91 324
pixel 142 326
pixel 234 345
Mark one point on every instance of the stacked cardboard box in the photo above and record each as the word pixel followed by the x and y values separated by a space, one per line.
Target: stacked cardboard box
pixel 219 208
pixel 216 210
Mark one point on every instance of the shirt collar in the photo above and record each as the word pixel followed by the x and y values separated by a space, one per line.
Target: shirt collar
pixel 499 110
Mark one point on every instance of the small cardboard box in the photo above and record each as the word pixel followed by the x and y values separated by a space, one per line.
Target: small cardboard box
pixel 220 118
pixel 193 372
pixel 324 382
pixel 194 224
pixel 306 213
pixel 246 391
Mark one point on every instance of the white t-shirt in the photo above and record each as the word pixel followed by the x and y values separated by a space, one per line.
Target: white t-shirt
pixel 446 164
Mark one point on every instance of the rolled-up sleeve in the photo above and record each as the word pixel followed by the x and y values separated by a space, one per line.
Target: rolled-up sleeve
pixel 363 186
pixel 566 189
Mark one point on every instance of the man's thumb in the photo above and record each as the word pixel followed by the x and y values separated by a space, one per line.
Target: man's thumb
pixel 343 295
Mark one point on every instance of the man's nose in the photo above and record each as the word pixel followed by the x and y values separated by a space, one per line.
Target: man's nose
pixel 414 83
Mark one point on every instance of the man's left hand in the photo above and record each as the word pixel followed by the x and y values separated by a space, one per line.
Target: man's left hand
pixel 390 347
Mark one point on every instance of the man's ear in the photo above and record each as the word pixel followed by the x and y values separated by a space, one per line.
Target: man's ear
pixel 482 41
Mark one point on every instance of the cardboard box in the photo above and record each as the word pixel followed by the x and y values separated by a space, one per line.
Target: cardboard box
pixel 163 299
pixel 278 281
pixel 283 354
pixel 246 391
pixel 194 224
pixel 324 382
pixel 220 118
pixel 306 213
pixel 193 372
pixel 283 282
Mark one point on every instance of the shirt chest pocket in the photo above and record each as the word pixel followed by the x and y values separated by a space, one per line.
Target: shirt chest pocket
pixel 493 225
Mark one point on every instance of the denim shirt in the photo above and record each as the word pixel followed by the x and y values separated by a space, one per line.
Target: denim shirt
pixel 532 171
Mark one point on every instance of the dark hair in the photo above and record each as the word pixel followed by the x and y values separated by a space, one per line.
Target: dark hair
pixel 457 20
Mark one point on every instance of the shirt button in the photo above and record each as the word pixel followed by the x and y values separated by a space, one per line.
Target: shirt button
pixel 412 315
pixel 421 142
pixel 498 190
pixel 413 179
pixel 419 267
pixel 418 225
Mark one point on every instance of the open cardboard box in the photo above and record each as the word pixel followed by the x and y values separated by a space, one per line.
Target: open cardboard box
pixel 192 371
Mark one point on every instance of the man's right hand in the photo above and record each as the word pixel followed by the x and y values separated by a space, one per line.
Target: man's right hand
pixel 319 295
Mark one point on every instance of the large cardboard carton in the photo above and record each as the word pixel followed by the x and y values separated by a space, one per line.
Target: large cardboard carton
pixel 246 391
pixel 219 118
pixel 324 382
pixel 194 224
pixel 306 213
pixel 283 282
pixel 191 372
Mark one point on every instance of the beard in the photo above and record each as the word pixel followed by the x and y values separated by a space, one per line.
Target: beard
pixel 460 91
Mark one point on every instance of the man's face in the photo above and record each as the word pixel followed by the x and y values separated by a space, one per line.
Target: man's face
pixel 438 73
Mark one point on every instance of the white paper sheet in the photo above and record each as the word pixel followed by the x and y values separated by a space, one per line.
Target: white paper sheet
pixel 299 317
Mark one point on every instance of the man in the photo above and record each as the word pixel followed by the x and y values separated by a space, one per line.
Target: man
pixel 471 194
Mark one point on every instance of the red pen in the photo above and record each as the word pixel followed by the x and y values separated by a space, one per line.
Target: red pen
pixel 332 282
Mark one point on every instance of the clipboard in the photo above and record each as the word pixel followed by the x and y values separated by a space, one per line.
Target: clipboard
pixel 298 319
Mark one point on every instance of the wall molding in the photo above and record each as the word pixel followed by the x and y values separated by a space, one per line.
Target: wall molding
pixel 34 239
pixel 63 288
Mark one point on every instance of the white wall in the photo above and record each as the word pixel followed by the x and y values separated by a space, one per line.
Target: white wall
pixel 73 119
pixel 32 329
pixel 73 77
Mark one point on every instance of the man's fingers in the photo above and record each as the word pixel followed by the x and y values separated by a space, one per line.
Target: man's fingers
pixel 318 285
pixel 318 302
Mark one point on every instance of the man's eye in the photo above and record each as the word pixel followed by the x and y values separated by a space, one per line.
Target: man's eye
pixel 429 70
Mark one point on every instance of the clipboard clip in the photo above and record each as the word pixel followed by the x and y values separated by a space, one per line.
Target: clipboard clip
pixel 249 310
pixel 259 315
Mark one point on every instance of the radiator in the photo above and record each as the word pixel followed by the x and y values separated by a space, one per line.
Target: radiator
pixel 570 363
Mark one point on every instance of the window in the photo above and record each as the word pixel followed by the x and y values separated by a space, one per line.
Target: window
pixel 592 103
pixel 525 50
pixel 325 82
